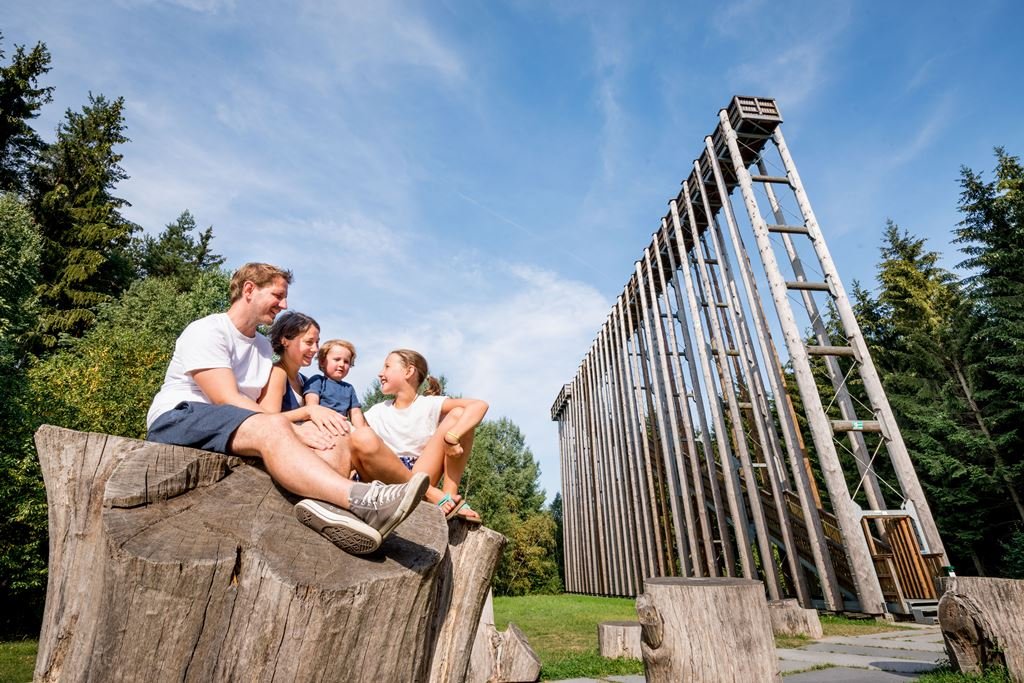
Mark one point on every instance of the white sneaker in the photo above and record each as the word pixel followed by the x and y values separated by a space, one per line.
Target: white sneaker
pixel 339 526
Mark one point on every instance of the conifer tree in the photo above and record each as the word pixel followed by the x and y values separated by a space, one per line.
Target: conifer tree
pixel 21 98
pixel 175 254
pixel 85 239
pixel 991 235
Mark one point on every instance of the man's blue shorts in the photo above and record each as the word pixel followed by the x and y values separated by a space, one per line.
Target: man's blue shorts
pixel 199 425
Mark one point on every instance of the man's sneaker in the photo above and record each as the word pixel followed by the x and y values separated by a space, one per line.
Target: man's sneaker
pixel 383 506
pixel 339 526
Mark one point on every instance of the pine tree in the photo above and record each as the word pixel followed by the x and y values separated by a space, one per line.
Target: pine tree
pixel 85 239
pixel 921 309
pixel 991 235
pixel 175 254
pixel 21 98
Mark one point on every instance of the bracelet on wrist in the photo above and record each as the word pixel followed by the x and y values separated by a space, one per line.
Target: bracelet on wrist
pixel 451 438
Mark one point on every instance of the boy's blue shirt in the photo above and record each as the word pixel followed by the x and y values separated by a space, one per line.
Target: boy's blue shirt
pixel 336 395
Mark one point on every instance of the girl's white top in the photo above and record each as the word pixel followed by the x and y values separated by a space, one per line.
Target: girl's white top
pixel 406 431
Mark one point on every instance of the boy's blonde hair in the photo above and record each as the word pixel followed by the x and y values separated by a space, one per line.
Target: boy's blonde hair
pixel 260 274
pixel 325 348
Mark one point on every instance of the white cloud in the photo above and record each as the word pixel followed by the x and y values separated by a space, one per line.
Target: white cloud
pixel 371 36
pixel 785 57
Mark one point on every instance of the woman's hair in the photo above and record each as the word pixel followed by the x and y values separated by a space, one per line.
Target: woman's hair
pixel 260 274
pixel 289 326
pixel 415 360
pixel 326 347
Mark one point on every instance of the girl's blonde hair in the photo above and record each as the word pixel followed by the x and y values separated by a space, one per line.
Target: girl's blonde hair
pixel 416 361
pixel 325 348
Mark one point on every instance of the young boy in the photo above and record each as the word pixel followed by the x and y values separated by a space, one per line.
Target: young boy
pixel 336 357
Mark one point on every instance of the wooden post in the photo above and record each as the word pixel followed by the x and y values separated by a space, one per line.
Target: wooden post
pixel 790 619
pixel 619 639
pixel 706 631
pixel 981 624
pixel 169 563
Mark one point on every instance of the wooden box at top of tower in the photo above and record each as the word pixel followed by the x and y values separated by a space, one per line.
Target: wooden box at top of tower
pixel 750 114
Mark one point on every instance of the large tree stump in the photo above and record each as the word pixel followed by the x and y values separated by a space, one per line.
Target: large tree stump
pixel 619 639
pixel 169 563
pixel 790 619
pixel 706 631
pixel 982 625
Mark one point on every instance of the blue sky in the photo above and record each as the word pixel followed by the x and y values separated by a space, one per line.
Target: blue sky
pixel 475 179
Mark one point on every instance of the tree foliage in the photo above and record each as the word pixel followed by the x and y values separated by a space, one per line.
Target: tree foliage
pixel 502 483
pixel 951 353
pixel 22 500
pixel 175 254
pixel 86 260
pixel 105 380
pixel 21 98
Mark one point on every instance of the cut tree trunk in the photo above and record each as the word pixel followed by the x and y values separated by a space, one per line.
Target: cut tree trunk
pixel 982 625
pixel 168 563
pixel 706 631
pixel 790 619
pixel 619 639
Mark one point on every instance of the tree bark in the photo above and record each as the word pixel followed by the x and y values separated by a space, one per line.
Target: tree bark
pixel 981 624
pixel 790 619
pixel 473 553
pixel 169 563
pixel 706 631
pixel 619 639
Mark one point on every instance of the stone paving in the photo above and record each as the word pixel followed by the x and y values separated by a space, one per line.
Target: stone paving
pixel 877 658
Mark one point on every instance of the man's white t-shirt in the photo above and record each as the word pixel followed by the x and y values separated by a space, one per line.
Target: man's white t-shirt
pixel 406 431
pixel 207 343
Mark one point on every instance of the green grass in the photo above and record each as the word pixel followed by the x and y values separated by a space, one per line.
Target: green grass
pixel 844 626
pixel 945 674
pixel 562 630
pixel 17 660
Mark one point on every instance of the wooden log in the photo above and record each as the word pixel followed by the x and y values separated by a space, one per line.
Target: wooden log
pixel 481 661
pixel 981 624
pixel 514 659
pixel 790 619
pixel 619 639
pixel 501 656
pixel 706 631
pixel 473 554
pixel 169 563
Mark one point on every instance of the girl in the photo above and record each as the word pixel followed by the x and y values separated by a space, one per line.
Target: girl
pixel 429 433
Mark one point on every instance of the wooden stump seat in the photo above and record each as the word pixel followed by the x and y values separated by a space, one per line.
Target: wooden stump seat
pixel 169 563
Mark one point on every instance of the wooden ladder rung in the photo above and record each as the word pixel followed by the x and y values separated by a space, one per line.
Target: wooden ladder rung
pixel 779 179
pixel 812 286
pixel 791 229
pixel 817 350
pixel 842 426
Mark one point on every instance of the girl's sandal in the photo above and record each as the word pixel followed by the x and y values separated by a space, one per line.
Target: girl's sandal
pixel 444 501
pixel 464 506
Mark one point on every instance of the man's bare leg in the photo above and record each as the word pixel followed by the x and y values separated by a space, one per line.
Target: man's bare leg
pixel 291 464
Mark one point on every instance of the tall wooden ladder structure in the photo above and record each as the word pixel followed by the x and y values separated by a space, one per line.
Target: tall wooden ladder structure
pixel 683 450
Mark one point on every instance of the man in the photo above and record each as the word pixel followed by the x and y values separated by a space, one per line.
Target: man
pixel 209 401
